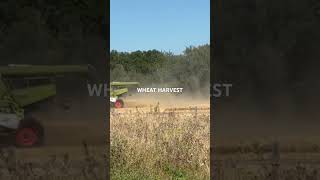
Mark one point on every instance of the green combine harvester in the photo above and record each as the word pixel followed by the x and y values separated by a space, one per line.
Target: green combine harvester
pixel 22 86
pixel 118 90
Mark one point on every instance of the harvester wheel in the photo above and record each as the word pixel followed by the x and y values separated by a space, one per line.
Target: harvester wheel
pixel 119 103
pixel 29 134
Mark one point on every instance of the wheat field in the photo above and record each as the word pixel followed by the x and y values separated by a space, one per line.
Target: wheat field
pixel 158 143
pixel 89 165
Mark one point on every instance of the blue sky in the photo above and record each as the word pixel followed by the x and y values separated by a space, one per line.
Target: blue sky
pixel 165 25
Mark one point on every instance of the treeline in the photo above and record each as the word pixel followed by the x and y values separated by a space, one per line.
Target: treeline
pixel 53 32
pixel 190 70
pixel 269 50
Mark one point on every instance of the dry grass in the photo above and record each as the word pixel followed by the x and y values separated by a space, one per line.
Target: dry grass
pixel 233 171
pixel 263 161
pixel 57 167
pixel 149 144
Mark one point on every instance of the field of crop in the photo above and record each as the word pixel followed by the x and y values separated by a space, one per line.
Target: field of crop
pixel 267 161
pixel 160 141
pixel 244 143
pixel 246 157
pixel 64 156
pixel 62 165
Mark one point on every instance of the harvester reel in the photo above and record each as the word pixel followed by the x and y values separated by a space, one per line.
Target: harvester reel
pixel 29 134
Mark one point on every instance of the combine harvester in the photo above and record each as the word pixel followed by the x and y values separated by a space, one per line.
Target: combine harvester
pixel 118 90
pixel 21 87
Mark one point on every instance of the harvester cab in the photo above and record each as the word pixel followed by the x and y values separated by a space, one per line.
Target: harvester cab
pixel 118 90
pixel 22 86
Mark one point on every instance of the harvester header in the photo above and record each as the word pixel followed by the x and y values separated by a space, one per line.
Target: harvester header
pixel 22 86
pixel 124 83
pixel 42 70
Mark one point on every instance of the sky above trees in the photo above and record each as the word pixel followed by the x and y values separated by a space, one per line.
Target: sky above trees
pixel 164 25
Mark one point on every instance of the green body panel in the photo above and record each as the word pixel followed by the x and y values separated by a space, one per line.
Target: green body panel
pixel 124 84
pixel 28 96
pixel 119 92
pixel 120 88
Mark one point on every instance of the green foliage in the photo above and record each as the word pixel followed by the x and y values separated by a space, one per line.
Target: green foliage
pixel 190 70
pixel 269 48
pixel 131 174
pixel 175 173
pixel 52 32
pixel 169 172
